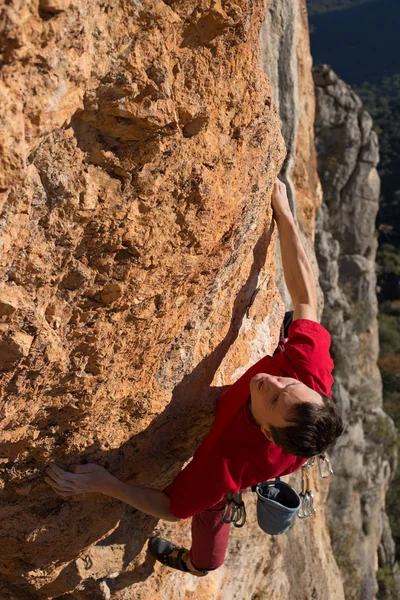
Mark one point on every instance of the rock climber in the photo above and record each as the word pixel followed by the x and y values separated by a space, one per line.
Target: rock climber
pixel 267 424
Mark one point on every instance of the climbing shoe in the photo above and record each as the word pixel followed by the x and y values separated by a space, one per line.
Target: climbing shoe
pixel 172 556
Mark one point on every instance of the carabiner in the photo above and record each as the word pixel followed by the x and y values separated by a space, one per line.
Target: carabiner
pixel 322 460
pixel 304 510
pixel 313 510
pixel 307 506
pixel 227 516
pixel 235 513
pixel 240 516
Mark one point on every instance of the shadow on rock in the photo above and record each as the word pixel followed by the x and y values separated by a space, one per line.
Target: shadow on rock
pixel 161 450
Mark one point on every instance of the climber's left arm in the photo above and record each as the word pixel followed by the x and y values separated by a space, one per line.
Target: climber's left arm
pixel 81 479
pixel 297 270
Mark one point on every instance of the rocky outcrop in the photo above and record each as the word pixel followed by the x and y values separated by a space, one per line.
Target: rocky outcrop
pixel 137 271
pixel 141 144
pixel 286 58
pixel 365 457
pixel 137 278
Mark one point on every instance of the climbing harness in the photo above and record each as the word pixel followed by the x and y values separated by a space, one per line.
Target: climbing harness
pixel 277 501
pixel 235 510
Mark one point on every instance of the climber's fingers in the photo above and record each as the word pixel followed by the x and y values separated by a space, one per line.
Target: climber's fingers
pixel 87 479
pixel 279 199
pixel 64 482
pixel 57 474
pixel 62 488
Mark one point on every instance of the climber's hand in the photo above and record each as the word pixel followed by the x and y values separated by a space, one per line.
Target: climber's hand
pixel 80 479
pixel 280 202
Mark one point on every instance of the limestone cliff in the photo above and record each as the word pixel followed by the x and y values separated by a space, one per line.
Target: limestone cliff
pixel 140 146
pixel 140 142
pixel 365 456
pixel 285 57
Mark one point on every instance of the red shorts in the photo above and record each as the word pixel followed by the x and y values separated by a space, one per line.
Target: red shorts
pixel 210 537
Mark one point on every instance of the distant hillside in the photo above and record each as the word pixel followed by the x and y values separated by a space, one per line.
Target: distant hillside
pixel 360 41
pixel 317 7
pixel 383 103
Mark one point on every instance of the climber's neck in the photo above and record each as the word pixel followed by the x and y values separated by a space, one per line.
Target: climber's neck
pixel 250 413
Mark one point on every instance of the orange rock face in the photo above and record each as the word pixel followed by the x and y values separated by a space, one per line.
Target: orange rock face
pixel 139 148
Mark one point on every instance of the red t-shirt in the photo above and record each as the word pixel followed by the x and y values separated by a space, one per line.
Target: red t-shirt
pixel 235 454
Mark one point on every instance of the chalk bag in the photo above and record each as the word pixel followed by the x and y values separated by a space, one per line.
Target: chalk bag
pixel 277 503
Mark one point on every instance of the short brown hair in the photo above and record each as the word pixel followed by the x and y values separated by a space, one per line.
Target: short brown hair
pixel 316 428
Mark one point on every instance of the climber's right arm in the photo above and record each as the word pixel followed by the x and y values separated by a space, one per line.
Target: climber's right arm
pixel 81 479
pixel 299 276
pixel 149 500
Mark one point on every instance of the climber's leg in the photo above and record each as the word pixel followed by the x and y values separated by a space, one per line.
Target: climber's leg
pixel 210 537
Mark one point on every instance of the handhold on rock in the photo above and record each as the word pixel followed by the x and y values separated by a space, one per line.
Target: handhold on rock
pixel 14 345
pixel 110 293
pixel 75 278
pixel 9 300
pixel 25 489
pixel 194 127
pixel 54 6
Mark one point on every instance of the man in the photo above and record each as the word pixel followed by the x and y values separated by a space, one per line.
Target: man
pixel 278 414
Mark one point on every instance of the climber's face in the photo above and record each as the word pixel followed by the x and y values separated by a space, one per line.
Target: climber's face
pixel 273 397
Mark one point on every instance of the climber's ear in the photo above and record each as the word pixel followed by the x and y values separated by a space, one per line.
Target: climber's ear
pixel 267 433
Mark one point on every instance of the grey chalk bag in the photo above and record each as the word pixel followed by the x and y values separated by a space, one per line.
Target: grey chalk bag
pixel 277 503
